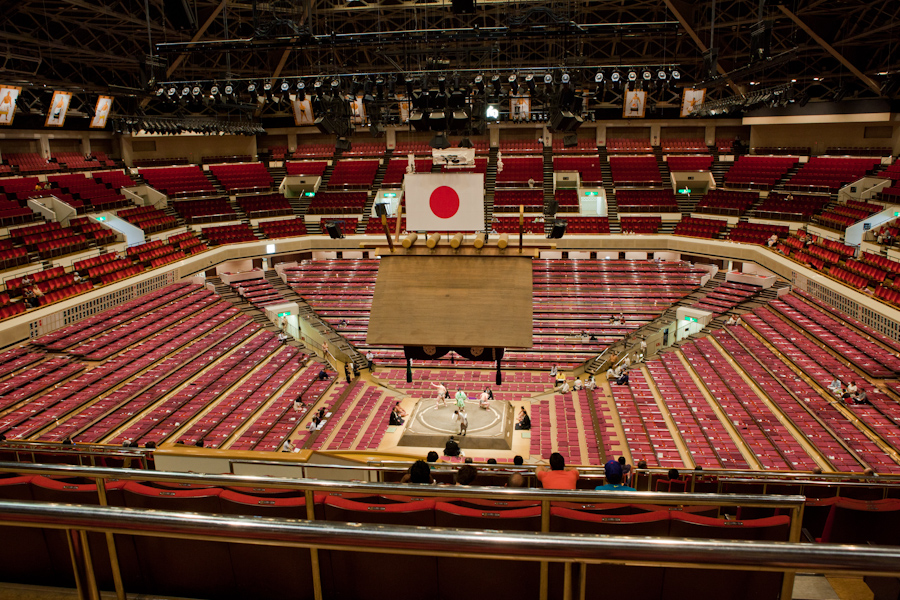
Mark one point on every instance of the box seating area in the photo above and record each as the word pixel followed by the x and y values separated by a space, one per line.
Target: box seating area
pixel 690 163
pixel 725 297
pixel 346 225
pixel 373 225
pixel 873 274
pixel 281 229
pixel 73 160
pixel 704 435
pixel 306 167
pixel 335 203
pixel 479 167
pixel 279 152
pixel 587 166
pixel 50 240
pixel 800 208
pixel 567 200
pixel 851 279
pixel 584 146
pixel 314 151
pixel 587 225
pixel 824 172
pixel 353 174
pixel 13 213
pixel 19 187
pixel 820 366
pixel 882 262
pixel 725 144
pixel 160 162
pixel 764 434
pixel 703 228
pixel 646 201
pixel 640 224
pixel 396 169
pixel 103 159
pixel 628 145
pixel 96 194
pixel 233 158
pixel 726 202
pixel 179 181
pixel 757 233
pixel 634 170
pixel 370 149
pixel 521 147
pixel 265 205
pixel 205 211
pixel 859 151
pixel 787 391
pixel 869 207
pixel 683 145
pixel 30 162
pixel 116 179
pixel 416 148
pixel 758 171
pixel 511 225
pixel 849 211
pixel 148 218
pixel 509 200
pixel 834 220
pixel 228 234
pixel 520 170
pixel 243 177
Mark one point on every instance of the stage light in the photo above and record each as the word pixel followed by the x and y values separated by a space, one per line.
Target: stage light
pixel 529 81
pixel 479 83
pixel 565 79
pixel 160 92
pixel 615 77
pixel 513 85
pixel 646 75
pixel 632 75
pixel 195 91
pixel 675 74
pixel 661 75
pixel 301 91
pixel 495 82
pixel 598 77
pixel 548 79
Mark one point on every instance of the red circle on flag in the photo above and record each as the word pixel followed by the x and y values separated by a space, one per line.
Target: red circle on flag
pixel 444 202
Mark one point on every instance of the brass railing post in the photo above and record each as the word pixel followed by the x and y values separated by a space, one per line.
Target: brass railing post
pixel 545 566
pixel 111 545
pixel 313 552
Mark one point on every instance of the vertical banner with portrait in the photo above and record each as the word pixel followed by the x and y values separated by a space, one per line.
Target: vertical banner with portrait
pixel 101 112
pixel 691 100
pixel 59 106
pixel 357 111
pixel 520 108
pixel 303 112
pixel 404 108
pixel 8 96
pixel 635 104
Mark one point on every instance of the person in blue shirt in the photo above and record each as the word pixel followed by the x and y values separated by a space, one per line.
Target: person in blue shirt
pixel 613 474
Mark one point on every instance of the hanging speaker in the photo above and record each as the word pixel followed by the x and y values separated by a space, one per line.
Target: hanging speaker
pixel 343 144
pixel 559 229
pixel 381 210
pixel 334 230
pixel 552 207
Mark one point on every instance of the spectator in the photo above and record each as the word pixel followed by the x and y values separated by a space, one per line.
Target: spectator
pixel 150 444
pixel 613 473
pixel 419 472
pixel 451 448
pixel 578 385
pixel 558 477
pixel 523 421
pixel 287 446
pixel 590 384
pixel 623 378
pixel 370 357
pixel 518 460
pixel 492 461
pixel 673 474
pixel 432 456
pixel 466 475
pixel 516 480
pixel 463 419
pixel 564 388
pixel 199 443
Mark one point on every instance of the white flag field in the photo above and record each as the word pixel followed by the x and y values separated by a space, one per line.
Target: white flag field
pixel 445 202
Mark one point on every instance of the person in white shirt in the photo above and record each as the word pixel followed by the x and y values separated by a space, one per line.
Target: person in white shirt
pixel 835 386
pixel 462 418
pixel 564 388
pixel 590 384
pixel 610 373
pixel 370 356
pixel 578 385
pixel 627 362
pixel 730 320
pixel 737 320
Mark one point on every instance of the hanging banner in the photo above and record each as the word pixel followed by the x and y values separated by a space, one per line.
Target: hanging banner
pixel 303 112
pixel 8 97
pixel 101 112
pixel 520 108
pixel 357 111
pixel 59 106
pixel 635 104
pixel 404 108
pixel 691 100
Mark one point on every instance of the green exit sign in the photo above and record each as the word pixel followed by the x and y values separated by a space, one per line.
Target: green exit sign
pixel 285 314
pixel 592 193
pixel 101 218
pixel 691 319
pixel 897 214
pixel 309 194
pixel 390 195
pixel 684 191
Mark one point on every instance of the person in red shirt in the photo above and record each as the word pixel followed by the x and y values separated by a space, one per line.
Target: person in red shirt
pixel 558 477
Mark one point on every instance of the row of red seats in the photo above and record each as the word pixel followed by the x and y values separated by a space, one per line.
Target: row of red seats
pixel 697 227
pixel 278 152
pixel 885 293
pixel 520 170
pixel 45 275
pixel 242 176
pixel 521 147
pixel 836 246
pixel 14 185
pixel 689 163
pixel 138 210
pixel 306 167
pixel 314 150
pixel 188 180
pixel 11 310
pixel 851 279
pixel 94 261
pixel 108 267
pixel 882 262
pixel 13 257
pixel 829 256
pixel 353 173
pixel 31 162
pixel 634 169
pixel 513 198
pixel 584 146
pixel 640 224
pixel 834 220
pixel 373 225
pixel 806 206
pixel 683 145
pixel 370 149
pixel 116 179
pixel 868 271
pixel 229 234
pixel 73 290
pixel 286 228
pixel 121 274
pixel 73 160
pixel 396 169
pixel 566 198
pixel 416 148
pixel 587 166
pixel 628 145
pixel 757 233
pixel 759 171
pixel 338 202
pixel 233 158
pixel 269 203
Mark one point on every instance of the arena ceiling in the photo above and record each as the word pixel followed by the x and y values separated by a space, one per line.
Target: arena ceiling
pixel 828 49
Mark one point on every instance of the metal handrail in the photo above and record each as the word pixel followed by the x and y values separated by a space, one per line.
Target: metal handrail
pixel 398 539
pixel 437 491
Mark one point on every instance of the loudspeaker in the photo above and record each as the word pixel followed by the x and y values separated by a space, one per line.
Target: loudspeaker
pixel 179 13
pixel 559 229
pixel 439 142
pixel 711 62
pixel 381 210
pixel 761 41
pixel 564 121
pixel 419 120
pixel 334 230
pixel 570 140
pixel 552 207
pixel 438 121
pixel 343 144
pixel 325 125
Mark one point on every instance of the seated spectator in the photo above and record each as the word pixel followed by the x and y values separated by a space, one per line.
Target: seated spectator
pixel 559 477
pixel 590 384
pixel 564 388
pixel 523 421
pixel 836 386
pixel 861 397
pixel 613 473
pixel 419 472
pixel 432 457
pixel 623 379
pixel 451 448
pixel 578 385
pixel 518 460
pixel 516 480
pixel 466 475
pixel 395 418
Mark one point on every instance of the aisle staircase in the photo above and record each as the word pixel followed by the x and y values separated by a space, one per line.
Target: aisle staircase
pixel 612 208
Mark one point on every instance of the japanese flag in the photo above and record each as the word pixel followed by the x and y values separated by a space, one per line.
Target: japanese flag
pixel 445 202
